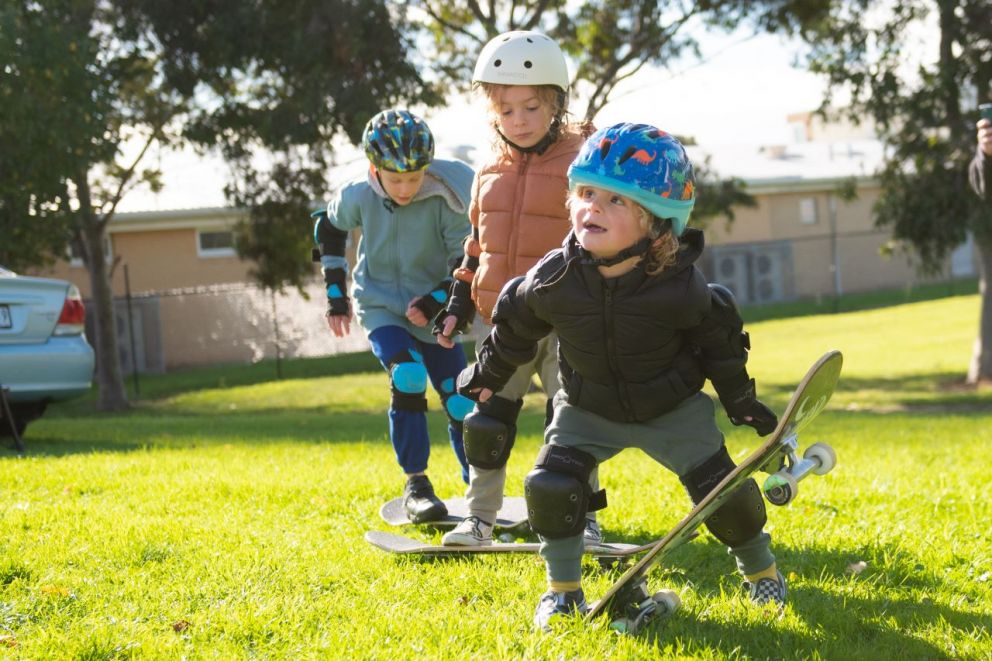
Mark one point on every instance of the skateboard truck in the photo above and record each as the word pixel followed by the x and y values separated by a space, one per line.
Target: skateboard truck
pixel 633 607
pixel 782 487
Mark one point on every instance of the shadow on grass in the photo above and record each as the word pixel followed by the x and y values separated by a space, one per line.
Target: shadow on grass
pixel 71 431
pixel 154 427
pixel 847 622
pixel 925 393
pixel 141 431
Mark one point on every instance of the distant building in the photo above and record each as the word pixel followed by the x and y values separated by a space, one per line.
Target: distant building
pixel 192 298
pixel 804 239
pixel 193 302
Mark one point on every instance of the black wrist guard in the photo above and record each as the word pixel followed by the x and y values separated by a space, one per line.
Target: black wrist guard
pixel 434 301
pixel 337 297
pixel 460 305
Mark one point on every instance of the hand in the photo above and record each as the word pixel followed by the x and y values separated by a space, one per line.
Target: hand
pixel 760 417
pixel 447 330
pixel 340 324
pixel 468 384
pixel 985 136
pixel 415 315
pixel 743 408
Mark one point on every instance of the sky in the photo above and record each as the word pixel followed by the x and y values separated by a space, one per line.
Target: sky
pixel 739 94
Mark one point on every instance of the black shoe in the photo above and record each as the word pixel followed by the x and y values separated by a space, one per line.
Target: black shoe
pixel 419 501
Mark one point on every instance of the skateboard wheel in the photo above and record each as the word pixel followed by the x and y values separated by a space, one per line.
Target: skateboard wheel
pixel 781 488
pixel 668 601
pixel 822 454
pixel 621 625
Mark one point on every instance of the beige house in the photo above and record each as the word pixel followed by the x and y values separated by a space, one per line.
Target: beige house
pixel 805 238
pixel 192 301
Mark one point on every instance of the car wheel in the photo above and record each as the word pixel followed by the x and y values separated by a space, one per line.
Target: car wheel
pixel 19 424
pixel 23 414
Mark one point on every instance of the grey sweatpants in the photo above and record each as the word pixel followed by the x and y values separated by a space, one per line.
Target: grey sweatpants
pixel 485 486
pixel 679 440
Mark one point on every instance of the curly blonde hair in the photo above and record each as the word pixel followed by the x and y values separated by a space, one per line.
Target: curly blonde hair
pixel 663 251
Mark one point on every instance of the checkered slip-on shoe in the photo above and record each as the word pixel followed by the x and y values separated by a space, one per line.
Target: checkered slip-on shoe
pixel 767 590
pixel 554 604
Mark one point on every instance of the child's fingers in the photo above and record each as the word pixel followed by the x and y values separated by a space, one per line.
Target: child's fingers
pixel 485 394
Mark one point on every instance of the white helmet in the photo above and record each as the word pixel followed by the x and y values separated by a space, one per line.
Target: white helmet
pixel 522 57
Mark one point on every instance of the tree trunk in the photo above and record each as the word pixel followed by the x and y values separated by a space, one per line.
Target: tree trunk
pixel 109 378
pixel 980 370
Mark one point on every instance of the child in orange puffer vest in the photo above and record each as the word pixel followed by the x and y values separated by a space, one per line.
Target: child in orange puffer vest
pixel 518 214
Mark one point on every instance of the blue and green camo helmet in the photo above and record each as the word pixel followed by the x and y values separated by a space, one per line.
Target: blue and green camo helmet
pixel 399 141
pixel 643 163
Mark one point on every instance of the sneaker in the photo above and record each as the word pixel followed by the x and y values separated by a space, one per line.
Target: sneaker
pixel 554 604
pixel 592 535
pixel 420 502
pixel 472 531
pixel 767 590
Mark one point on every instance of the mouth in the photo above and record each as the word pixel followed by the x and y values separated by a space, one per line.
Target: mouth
pixel 593 227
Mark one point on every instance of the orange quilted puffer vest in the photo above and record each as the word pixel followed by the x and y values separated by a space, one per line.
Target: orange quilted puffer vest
pixel 518 204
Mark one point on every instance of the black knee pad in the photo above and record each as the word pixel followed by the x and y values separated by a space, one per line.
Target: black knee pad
pixel 558 492
pixel 490 432
pixel 408 382
pixel 742 515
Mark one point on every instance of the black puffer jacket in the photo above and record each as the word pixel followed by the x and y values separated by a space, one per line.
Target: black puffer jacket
pixel 630 348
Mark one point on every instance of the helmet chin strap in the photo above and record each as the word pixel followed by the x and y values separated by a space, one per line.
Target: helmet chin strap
pixel 542 145
pixel 635 250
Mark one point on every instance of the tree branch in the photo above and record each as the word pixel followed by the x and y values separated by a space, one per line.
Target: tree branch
pixel 129 173
pixel 535 18
pixel 489 22
pixel 460 29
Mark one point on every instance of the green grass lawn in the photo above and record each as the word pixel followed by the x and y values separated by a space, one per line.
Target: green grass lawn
pixel 223 517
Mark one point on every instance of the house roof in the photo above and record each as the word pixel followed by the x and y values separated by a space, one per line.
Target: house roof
pixel 797 166
pixel 794 167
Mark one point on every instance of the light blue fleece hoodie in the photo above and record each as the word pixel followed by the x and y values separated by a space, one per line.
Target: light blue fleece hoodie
pixel 406 251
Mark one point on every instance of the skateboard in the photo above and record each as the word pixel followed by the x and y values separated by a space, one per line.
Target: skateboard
pixel 512 516
pixel 628 601
pixel 404 545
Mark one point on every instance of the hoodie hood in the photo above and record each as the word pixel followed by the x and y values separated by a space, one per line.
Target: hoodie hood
pixel 444 179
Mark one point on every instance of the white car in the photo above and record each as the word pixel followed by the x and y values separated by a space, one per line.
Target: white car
pixel 44 355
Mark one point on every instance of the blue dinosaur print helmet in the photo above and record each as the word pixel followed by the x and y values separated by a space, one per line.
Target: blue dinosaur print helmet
pixel 643 163
pixel 399 141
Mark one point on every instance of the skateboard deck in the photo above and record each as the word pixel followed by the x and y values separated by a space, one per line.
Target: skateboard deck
pixel 513 514
pixel 404 545
pixel 809 398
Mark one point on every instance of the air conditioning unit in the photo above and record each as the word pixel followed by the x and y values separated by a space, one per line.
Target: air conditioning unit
pixel 755 273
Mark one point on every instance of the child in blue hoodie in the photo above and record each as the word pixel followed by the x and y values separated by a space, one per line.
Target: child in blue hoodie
pixel 412 210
